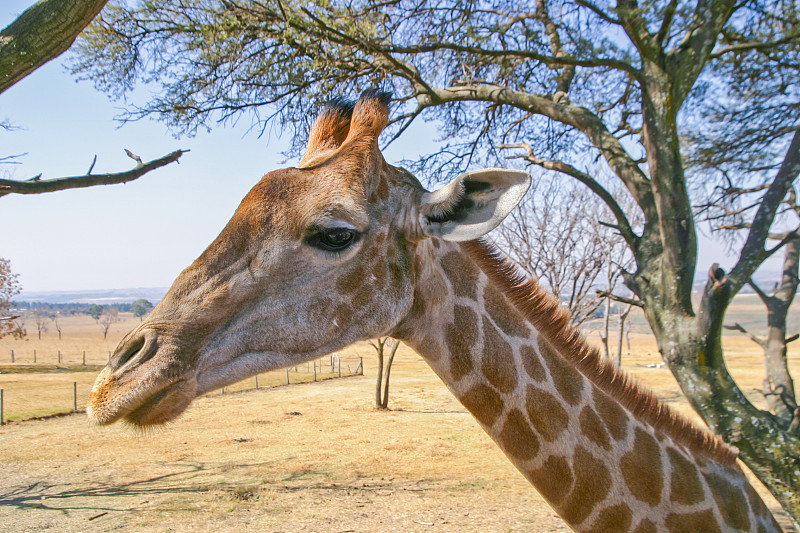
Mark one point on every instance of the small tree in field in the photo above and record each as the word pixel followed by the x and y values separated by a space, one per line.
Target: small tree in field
pixel 9 287
pixel 382 383
pixel 141 307
pixel 57 323
pixel 40 318
pixel 108 317
pixel 95 311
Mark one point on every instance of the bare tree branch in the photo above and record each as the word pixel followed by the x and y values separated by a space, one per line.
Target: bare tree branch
pixel 37 186
pixel 753 253
pixel 740 328
pixel 623 225
pixel 622 299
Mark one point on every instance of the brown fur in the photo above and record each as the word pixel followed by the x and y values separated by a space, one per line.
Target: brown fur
pixel 547 316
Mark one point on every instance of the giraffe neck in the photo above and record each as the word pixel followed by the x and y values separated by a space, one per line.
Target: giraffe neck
pixel 603 464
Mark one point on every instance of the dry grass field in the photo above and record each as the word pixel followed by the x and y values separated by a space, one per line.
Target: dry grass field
pixel 307 457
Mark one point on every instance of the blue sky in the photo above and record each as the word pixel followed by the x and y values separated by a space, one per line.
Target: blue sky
pixel 141 234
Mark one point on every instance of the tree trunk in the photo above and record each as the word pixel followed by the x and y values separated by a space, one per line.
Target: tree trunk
pixel 778 381
pixel 41 33
pixel 604 331
pixel 379 344
pixel 622 318
pixel 385 400
pixel 692 348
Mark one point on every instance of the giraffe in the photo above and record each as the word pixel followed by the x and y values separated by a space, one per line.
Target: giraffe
pixel 346 247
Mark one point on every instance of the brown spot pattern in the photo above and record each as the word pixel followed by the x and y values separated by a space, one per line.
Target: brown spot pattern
pixel 530 359
pixel 380 272
pixel 616 518
pixel 730 501
pixel 760 509
pixel 641 467
pixel 567 380
pixel 685 485
pixel 517 438
pixel 503 313
pixel 692 522
pixel 592 483
pixel 592 427
pixel 351 281
pixel 484 403
pixel 463 275
pixel 646 526
pixel 553 479
pixel 613 416
pixel 498 359
pixel 462 335
pixel 547 415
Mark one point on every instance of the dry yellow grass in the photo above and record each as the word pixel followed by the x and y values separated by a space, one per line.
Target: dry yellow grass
pixel 248 461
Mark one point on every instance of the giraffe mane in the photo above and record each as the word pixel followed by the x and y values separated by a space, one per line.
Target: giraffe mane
pixel 545 313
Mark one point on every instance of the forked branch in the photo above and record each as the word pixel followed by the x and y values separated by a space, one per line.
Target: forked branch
pixel 38 186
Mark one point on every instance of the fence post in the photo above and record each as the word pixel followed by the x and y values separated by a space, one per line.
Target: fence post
pixel 12 356
pixel 34 355
pixel 84 358
pixel 340 366
pixel 109 356
pixel 287 376
pixel 74 396
pixel 2 420
pixel 315 369
pixel 256 381
pixel 59 357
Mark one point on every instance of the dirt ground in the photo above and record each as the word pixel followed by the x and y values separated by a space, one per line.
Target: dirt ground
pixel 308 457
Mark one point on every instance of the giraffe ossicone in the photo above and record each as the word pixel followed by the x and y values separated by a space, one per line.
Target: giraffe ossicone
pixel 346 247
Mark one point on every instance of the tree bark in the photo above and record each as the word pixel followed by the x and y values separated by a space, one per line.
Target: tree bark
pixel 778 383
pixel 41 33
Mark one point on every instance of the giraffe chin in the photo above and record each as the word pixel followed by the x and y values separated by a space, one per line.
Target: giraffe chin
pixel 144 410
pixel 163 407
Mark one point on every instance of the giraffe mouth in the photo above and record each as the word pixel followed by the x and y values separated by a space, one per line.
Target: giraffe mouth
pixel 152 403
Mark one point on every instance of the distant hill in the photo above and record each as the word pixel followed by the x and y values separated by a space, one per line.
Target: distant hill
pixel 103 297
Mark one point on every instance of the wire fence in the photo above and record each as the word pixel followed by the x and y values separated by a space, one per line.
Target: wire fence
pixel 36 386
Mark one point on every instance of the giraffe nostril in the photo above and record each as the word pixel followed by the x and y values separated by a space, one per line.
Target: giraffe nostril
pixel 136 349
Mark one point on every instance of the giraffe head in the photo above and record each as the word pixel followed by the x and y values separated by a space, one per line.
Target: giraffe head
pixel 315 258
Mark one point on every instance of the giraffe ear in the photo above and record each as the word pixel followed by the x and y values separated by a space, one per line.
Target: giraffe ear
pixel 473 204
pixel 329 130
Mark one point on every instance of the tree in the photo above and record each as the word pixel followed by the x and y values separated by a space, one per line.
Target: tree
pixel 56 323
pixel 141 307
pixel 384 371
pixel 40 319
pixel 95 311
pixel 108 317
pixel 42 33
pixel 623 84
pixel 9 287
pixel 559 242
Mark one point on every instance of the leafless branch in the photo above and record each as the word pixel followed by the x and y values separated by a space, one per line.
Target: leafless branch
pixel 623 225
pixel 622 299
pixel 740 328
pixel 37 186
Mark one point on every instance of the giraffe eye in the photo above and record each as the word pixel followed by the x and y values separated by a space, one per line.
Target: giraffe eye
pixel 333 239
